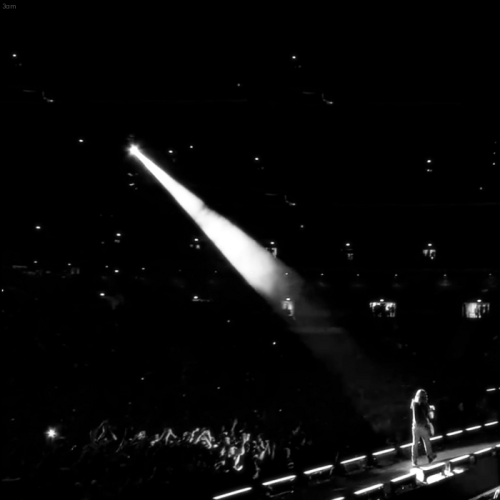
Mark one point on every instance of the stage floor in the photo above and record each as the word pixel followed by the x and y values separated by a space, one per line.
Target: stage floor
pixel 340 486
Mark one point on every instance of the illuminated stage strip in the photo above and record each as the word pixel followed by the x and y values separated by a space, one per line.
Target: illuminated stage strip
pixel 383 452
pixel 370 488
pixel 232 493
pixel 280 480
pixel 353 460
pixel 318 469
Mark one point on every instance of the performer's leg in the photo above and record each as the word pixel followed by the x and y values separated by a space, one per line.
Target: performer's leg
pixel 426 437
pixel 414 448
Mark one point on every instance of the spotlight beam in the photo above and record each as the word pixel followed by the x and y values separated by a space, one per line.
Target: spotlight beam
pixel 275 281
pixel 263 272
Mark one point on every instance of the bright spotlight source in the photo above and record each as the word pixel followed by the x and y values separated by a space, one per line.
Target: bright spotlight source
pixel 102 294
pixel 428 161
pixel 51 433
pixel 133 150
pixel 80 140
pixel 38 227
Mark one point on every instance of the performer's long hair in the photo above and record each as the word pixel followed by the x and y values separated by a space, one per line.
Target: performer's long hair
pixel 420 396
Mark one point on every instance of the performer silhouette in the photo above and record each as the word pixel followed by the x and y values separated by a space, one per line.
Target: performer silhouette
pixel 422 427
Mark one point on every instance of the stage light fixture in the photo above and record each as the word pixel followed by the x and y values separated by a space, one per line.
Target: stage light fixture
pixel 374 492
pixel 354 464
pixel 280 486
pixel 436 438
pixel 232 493
pixel 475 428
pixel 319 474
pixel 458 465
pixel 431 473
pixel 384 457
pixel 403 483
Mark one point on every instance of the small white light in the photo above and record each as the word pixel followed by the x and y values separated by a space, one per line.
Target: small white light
pixel 38 227
pixel 143 269
pixel 117 271
pixel 479 300
pixel 80 140
pixel 429 244
pixel 170 151
pixel 191 147
pixel 51 433
pixel 256 158
pixel 428 161
pixel 14 55
pixel 133 150
pixel 288 298
pixel 102 294
pixel 347 244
